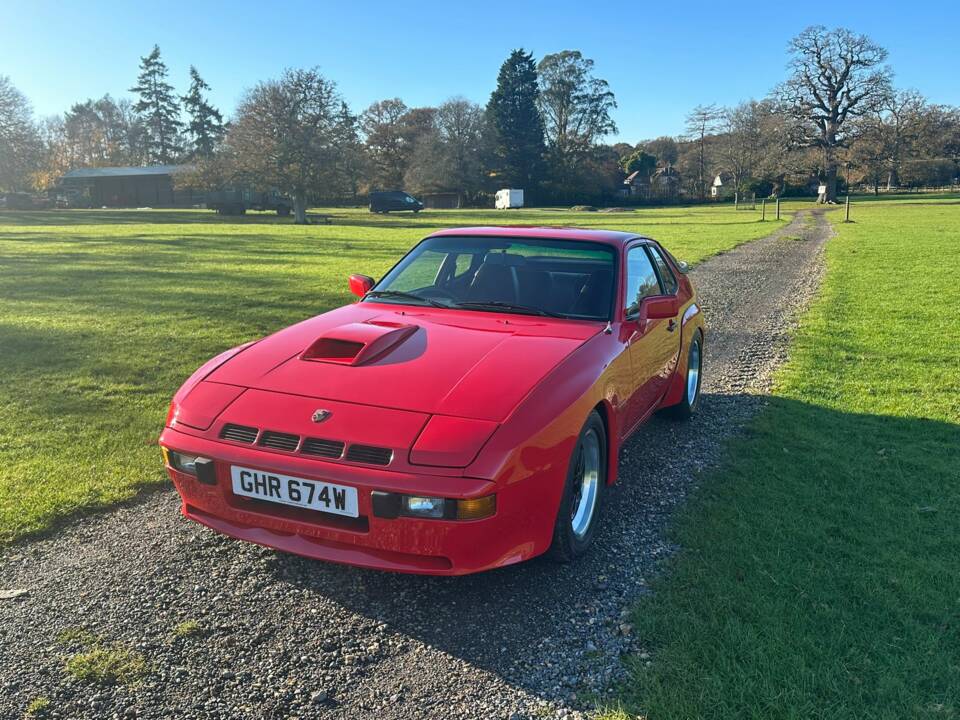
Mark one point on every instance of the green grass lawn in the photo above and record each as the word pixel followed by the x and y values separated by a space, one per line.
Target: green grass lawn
pixel 104 313
pixel 819 575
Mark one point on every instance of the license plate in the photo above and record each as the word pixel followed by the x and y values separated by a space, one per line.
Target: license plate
pixel 299 492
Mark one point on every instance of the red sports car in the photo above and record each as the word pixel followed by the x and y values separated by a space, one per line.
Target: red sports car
pixel 463 415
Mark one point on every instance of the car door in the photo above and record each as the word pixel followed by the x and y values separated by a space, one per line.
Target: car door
pixel 652 343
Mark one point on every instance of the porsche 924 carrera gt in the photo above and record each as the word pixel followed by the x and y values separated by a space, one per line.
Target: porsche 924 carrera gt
pixel 464 414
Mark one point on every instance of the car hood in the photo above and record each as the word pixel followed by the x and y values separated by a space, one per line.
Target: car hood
pixel 438 361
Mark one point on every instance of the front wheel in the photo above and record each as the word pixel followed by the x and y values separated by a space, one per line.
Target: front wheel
pixel 582 500
pixel 691 386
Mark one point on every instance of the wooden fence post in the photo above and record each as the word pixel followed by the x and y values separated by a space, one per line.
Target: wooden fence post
pixel 847 218
pixel 778 207
pixel 763 210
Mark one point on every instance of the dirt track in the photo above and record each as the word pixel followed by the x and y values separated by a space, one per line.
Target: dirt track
pixel 284 636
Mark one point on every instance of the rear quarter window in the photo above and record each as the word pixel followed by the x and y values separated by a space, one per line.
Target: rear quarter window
pixel 667 278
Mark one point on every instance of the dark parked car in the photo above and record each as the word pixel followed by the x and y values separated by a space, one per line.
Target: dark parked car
pixel 393 200
pixel 23 201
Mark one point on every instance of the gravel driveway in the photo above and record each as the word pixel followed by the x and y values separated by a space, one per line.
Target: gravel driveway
pixel 277 636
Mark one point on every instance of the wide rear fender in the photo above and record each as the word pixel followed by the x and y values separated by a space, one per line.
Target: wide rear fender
pixel 692 322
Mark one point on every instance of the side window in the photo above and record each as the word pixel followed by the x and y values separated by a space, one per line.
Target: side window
pixel 421 273
pixel 641 279
pixel 464 262
pixel 667 277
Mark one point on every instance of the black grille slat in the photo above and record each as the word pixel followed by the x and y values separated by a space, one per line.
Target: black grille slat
pixel 369 454
pixel 239 433
pixel 316 447
pixel 322 448
pixel 279 440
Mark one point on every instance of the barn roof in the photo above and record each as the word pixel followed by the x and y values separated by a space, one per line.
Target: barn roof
pixel 105 172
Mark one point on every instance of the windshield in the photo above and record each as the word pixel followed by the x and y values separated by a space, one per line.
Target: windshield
pixel 560 278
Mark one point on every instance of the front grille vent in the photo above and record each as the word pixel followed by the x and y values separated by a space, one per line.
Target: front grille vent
pixel 369 455
pixel 239 433
pixel 279 440
pixel 323 448
pixel 317 447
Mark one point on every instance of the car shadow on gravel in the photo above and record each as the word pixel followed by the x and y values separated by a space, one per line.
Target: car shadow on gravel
pixel 550 629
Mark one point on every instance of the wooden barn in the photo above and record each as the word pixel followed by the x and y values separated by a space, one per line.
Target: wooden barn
pixel 150 186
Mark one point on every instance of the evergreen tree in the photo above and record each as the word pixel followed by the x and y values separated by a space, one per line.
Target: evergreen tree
pixel 158 108
pixel 516 123
pixel 205 128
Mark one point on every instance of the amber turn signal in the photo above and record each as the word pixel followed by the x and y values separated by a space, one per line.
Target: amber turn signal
pixel 476 508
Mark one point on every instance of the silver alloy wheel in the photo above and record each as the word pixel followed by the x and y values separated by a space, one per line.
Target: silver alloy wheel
pixel 587 479
pixel 693 373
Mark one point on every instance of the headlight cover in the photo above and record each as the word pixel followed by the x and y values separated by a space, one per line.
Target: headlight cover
pixel 450 441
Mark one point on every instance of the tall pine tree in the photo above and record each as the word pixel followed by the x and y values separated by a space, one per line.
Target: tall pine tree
pixel 205 129
pixel 516 122
pixel 158 109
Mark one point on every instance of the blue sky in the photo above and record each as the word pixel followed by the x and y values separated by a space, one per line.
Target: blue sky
pixel 661 59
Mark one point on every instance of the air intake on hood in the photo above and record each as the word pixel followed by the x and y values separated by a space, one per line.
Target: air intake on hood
pixel 357 343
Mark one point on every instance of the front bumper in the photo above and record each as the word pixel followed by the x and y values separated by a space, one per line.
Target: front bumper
pixel 520 529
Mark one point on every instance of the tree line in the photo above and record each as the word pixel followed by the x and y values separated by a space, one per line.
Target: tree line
pixel 836 118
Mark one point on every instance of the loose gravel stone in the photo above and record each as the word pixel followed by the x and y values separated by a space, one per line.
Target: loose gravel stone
pixel 283 636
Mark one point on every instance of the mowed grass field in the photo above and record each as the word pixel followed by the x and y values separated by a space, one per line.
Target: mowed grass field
pixel 104 313
pixel 819 570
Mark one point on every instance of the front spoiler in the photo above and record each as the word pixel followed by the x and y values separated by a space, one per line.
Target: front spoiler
pixel 520 529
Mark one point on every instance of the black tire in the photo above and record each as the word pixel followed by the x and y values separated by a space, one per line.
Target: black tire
pixel 571 538
pixel 283 211
pixel 685 409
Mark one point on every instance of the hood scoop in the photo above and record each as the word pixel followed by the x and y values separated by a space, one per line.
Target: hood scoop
pixel 358 343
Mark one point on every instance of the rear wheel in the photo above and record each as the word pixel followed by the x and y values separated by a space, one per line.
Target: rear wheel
pixel 691 386
pixel 582 500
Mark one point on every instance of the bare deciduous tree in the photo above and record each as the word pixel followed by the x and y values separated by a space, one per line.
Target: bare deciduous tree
pixel 702 121
pixel 19 140
pixel 292 134
pixel 447 156
pixel 740 146
pixel 900 118
pixel 383 127
pixel 836 76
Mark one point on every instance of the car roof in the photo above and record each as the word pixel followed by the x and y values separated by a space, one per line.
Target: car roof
pixel 608 237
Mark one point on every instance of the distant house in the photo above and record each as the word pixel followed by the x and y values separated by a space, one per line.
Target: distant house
pixel 722 186
pixel 637 184
pixel 663 185
pixel 150 186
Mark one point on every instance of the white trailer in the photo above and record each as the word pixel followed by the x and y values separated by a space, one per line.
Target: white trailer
pixel 507 198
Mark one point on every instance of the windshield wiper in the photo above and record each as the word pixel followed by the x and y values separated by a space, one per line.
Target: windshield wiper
pixel 405 296
pixel 497 305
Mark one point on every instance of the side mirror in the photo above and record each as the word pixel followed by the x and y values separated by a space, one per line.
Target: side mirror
pixel 360 285
pixel 660 307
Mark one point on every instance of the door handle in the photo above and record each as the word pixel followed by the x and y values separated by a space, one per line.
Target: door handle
pixel 672 325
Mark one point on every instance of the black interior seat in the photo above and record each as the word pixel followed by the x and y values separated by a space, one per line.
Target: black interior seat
pixel 596 295
pixel 535 287
pixel 494 281
pixel 564 291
